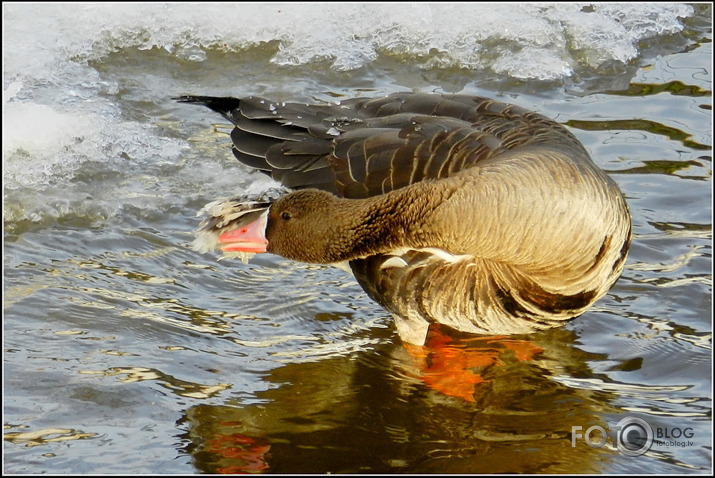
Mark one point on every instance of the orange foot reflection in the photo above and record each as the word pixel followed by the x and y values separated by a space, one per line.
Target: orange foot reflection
pixel 454 366
pixel 247 450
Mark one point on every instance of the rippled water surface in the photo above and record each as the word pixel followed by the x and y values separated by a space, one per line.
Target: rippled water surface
pixel 127 352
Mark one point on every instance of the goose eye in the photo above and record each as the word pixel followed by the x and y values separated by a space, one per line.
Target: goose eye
pixel 285 215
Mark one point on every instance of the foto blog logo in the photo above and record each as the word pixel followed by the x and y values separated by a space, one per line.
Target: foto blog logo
pixel 633 436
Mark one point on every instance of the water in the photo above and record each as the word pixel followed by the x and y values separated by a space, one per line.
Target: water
pixel 127 352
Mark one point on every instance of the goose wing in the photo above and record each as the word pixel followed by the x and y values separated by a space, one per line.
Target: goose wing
pixel 367 147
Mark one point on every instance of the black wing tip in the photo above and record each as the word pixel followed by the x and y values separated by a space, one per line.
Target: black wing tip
pixel 220 104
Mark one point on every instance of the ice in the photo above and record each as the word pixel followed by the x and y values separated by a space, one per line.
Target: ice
pixel 643 21
pixel 348 36
pixel 45 135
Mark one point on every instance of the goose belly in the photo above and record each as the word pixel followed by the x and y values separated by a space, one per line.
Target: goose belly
pixel 423 286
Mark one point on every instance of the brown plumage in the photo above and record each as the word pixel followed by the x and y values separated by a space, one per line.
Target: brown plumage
pixel 454 209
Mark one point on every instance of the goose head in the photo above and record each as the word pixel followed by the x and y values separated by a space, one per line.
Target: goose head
pixel 309 225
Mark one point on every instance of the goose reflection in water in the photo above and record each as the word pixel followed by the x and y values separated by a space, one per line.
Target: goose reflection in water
pixel 458 404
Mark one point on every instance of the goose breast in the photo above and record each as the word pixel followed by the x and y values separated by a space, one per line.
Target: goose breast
pixel 452 209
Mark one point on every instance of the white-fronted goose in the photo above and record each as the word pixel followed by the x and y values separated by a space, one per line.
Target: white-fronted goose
pixel 460 210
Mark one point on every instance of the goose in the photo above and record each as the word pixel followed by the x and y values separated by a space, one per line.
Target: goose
pixel 458 210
